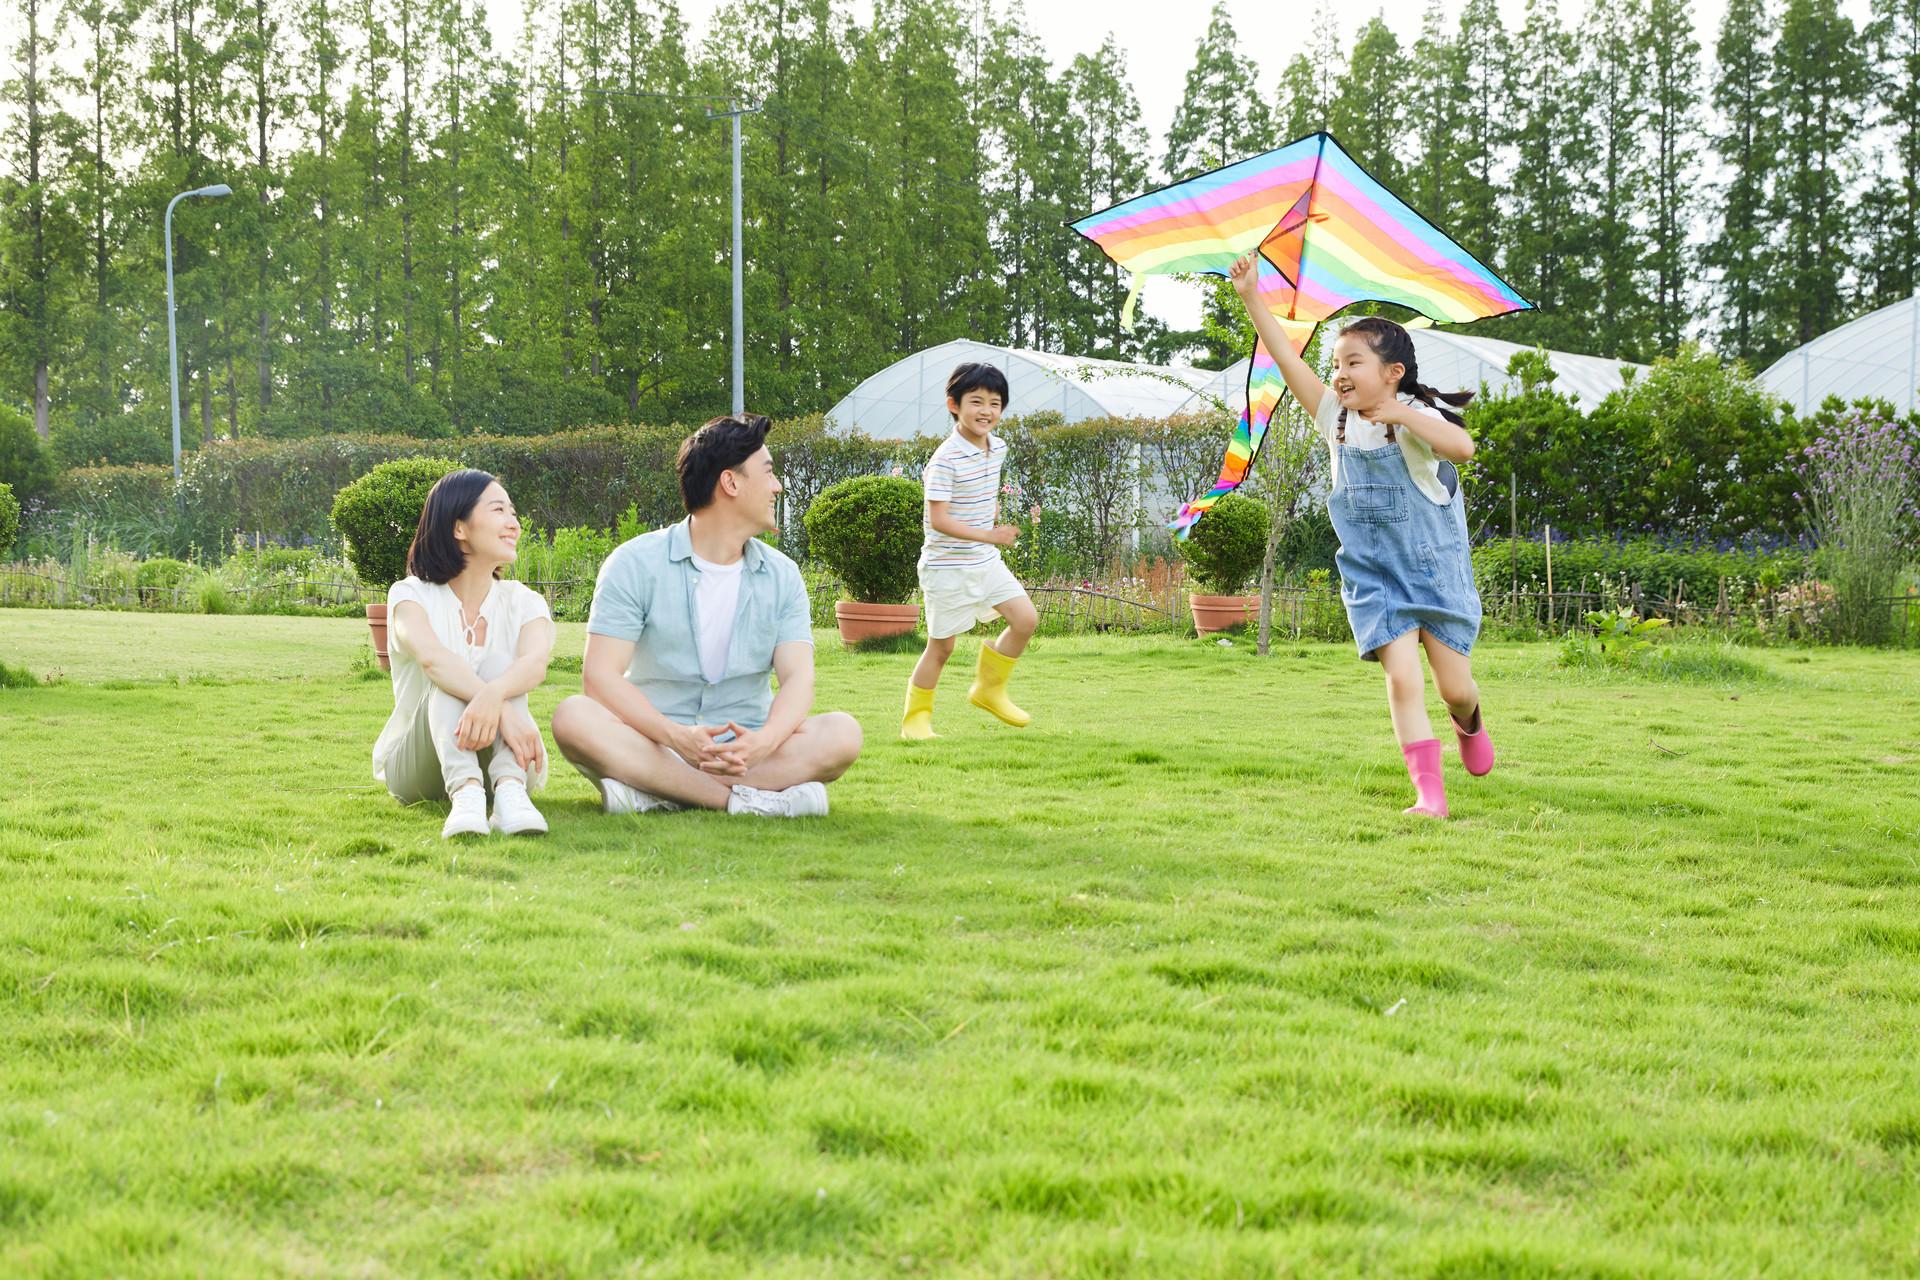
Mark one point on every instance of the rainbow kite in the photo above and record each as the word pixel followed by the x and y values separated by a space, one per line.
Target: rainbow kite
pixel 1329 236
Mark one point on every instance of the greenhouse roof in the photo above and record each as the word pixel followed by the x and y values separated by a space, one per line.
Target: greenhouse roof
pixel 1876 356
pixel 1454 361
pixel 908 397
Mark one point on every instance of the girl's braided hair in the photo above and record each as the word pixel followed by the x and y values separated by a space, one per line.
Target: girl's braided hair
pixel 1394 345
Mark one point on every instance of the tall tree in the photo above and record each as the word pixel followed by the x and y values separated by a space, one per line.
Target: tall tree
pixel 1479 70
pixel 1549 245
pixel 1434 177
pixel 1368 110
pixel 36 244
pixel 1672 60
pixel 1820 85
pixel 1614 85
pixel 1891 205
pixel 101 83
pixel 1105 113
pixel 1311 80
pixel 1747 144
pixel 1221 116
pixel 1029 128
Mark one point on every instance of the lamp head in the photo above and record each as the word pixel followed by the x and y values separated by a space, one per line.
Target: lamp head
pixel 217 189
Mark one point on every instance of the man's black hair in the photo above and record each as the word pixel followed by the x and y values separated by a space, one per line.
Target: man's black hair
pixel 978 377
pixel 721 445
pixel 434 555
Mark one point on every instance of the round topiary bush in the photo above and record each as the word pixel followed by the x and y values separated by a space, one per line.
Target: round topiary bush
pixel 1223 551
pixel 867 530
pixel 377 514
pixel 9 519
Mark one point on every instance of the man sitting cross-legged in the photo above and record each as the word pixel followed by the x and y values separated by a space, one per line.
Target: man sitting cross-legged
pixel 687 624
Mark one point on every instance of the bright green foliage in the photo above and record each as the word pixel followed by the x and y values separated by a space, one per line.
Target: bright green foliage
pixel 1223 551
pixel 868 530
pixel 1136 992
pixel 1618 636
pixel 377 514
pixel 9 518
pixel 1690 448
pixel 24 463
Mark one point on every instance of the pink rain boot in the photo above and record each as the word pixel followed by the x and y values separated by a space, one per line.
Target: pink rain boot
pixel 1476 748
pixel 1423 766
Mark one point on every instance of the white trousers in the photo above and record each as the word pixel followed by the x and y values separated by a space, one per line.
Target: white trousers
pixel 429 764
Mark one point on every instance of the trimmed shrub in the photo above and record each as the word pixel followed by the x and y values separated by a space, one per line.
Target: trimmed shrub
pixel 377 514
pixel 1225 548
pixel 162 573
pixel 24 463
pixel 810 457
pixel 868 531
pixel 9 519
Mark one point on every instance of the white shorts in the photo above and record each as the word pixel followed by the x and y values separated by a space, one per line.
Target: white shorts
pixel 960 596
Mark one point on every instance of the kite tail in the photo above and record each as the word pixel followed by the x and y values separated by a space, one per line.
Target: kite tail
pixel 1265 386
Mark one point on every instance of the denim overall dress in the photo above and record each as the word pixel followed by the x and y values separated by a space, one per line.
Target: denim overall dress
pixel 1403 559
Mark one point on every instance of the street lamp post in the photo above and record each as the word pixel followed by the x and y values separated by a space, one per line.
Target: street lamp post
pixel 173 346
pixel 735 110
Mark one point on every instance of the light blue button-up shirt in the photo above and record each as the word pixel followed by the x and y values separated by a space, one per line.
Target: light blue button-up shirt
pixel 645 594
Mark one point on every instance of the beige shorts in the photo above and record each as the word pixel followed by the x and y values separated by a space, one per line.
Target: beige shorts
pixel 957 598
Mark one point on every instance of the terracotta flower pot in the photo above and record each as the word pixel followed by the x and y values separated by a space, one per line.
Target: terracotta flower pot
pixel 377 624
pixel 1217 613
pixel 870 621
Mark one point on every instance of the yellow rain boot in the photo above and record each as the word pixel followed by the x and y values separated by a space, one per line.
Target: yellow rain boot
pixel 989 691
pixel 918 724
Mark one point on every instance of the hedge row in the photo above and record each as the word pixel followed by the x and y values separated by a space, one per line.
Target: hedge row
pixel 1662 573
pixel 1103 480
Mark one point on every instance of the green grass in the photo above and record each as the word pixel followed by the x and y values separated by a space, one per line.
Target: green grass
pixel 1163 986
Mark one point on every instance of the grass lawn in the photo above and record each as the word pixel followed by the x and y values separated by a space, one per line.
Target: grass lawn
pixel 1163 986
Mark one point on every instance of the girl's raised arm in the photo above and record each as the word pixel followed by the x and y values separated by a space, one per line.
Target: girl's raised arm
pixel 1301 379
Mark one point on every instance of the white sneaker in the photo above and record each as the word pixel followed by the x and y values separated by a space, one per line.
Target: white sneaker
pixel 513 812
pixel 618 797
pixel 469 815
pixel 808 800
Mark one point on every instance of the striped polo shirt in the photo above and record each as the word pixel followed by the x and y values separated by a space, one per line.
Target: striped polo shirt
pixel 968 481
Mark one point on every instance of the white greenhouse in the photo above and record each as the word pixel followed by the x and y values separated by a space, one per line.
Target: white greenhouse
pixel 1456 361
pixel 908 397
pixel 1876 356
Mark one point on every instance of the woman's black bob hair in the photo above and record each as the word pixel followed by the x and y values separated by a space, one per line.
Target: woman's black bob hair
pixel 434 555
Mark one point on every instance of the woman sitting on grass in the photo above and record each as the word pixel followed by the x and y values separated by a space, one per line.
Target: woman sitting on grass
pixel 466 648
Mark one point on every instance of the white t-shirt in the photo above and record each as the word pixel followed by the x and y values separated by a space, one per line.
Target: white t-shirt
pixel 1363 433
pixel 716 599
pixel 967 479
pixel 509 606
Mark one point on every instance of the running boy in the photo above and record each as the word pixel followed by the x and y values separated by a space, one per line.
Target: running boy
pixel 962 578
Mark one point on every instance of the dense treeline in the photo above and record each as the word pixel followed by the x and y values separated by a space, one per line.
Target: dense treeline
pixel 432 236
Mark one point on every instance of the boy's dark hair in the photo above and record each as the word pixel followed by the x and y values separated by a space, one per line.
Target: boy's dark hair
pixel 977 377
pixel 721 445
pixel 434 556
pixel 1394 345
